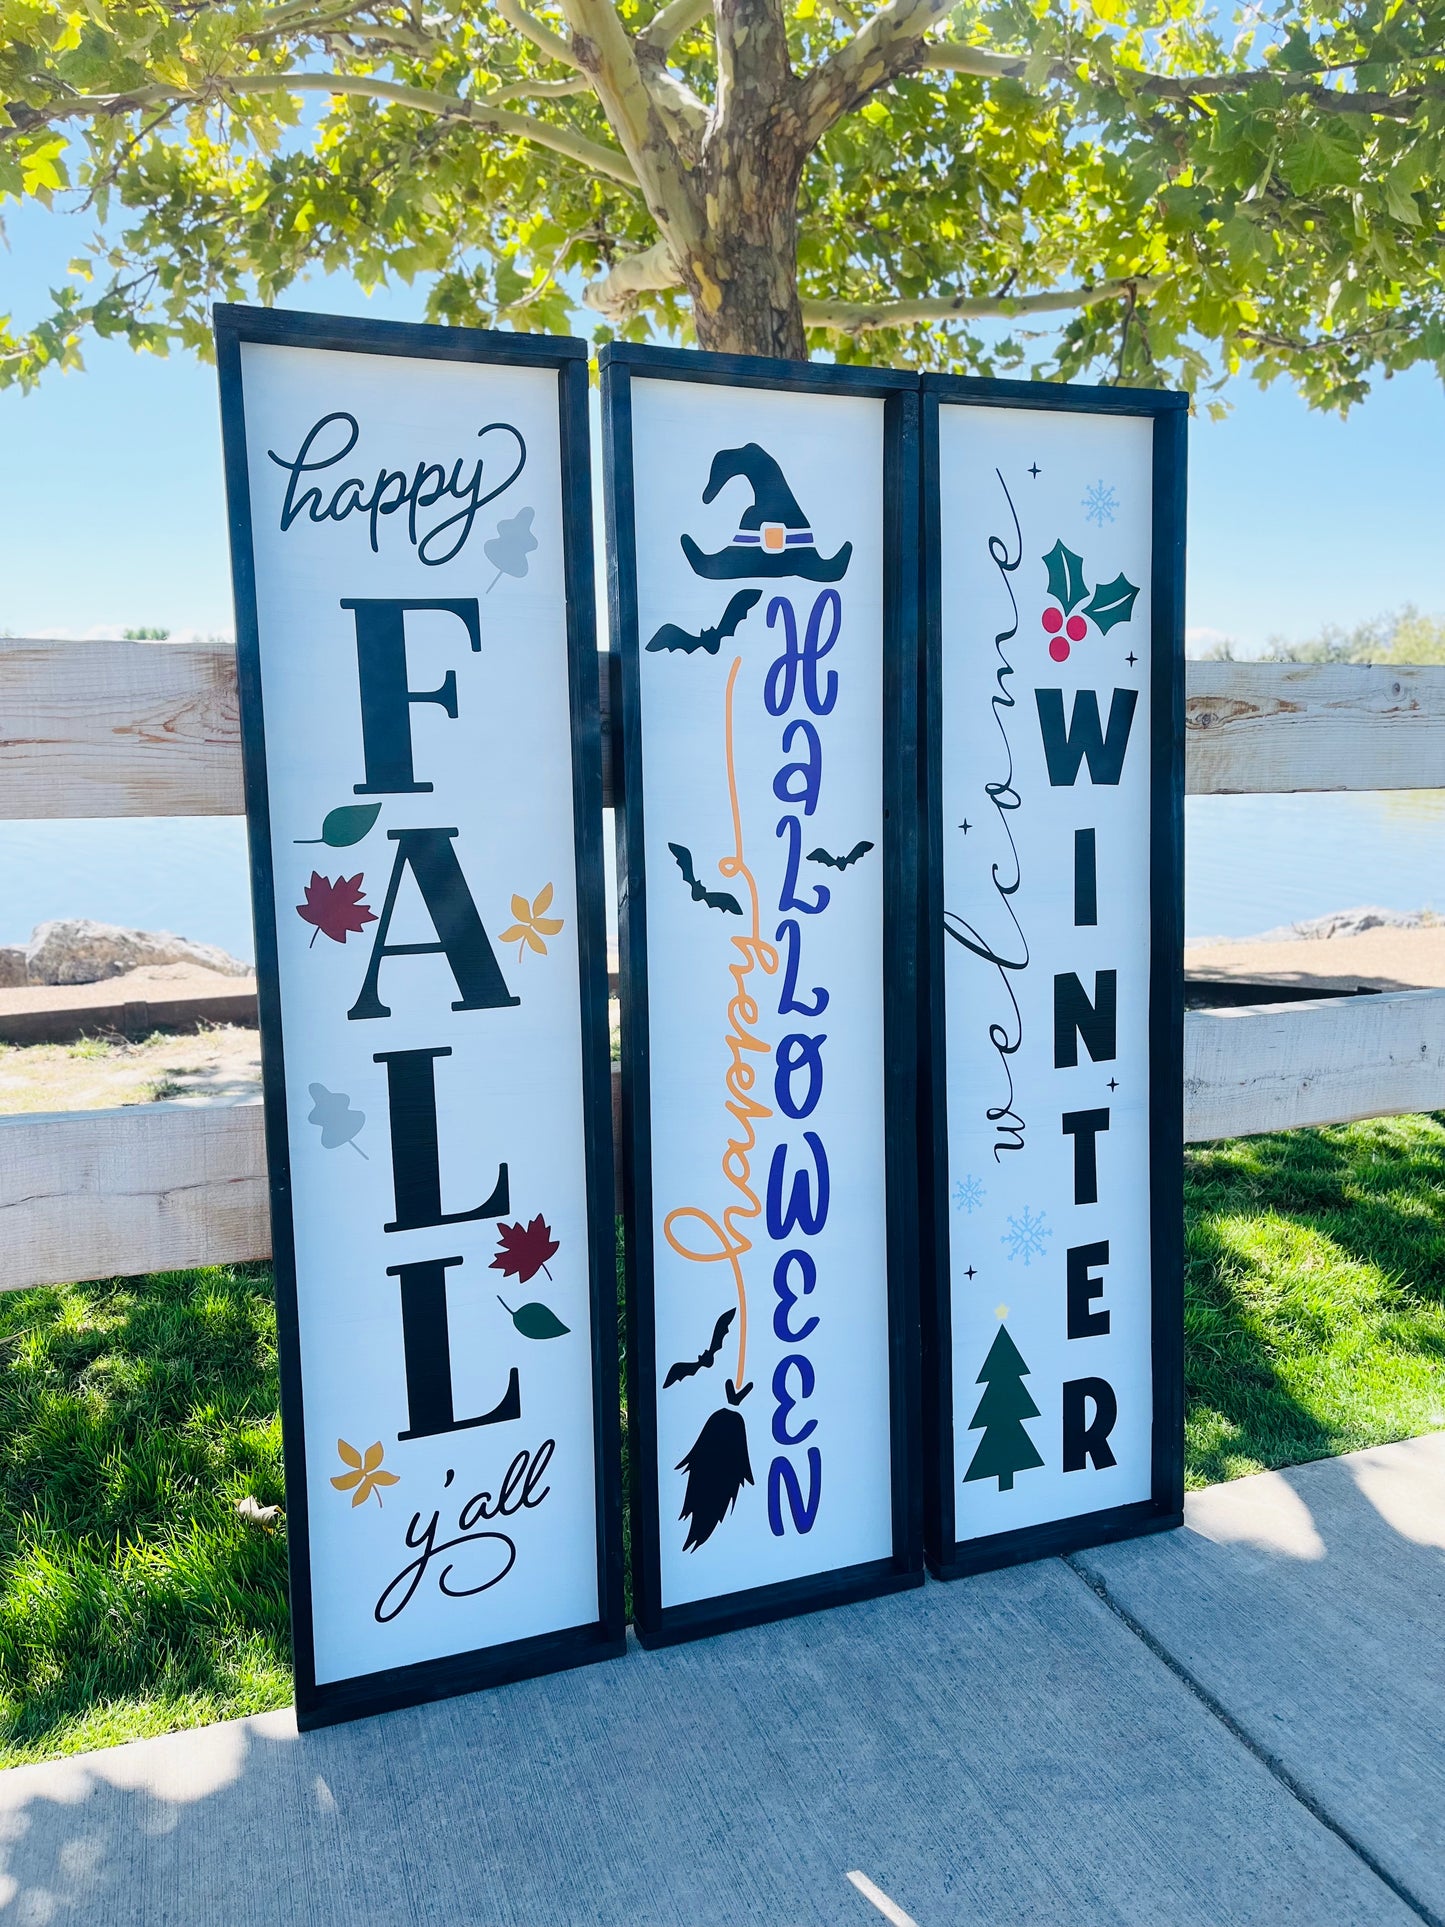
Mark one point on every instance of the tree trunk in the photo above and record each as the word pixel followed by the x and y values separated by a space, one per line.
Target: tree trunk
pixel 744 278
pixel 743 273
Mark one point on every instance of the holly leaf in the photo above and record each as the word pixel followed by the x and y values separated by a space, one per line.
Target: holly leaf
pixel 1111 602
pixel 344 826
pixel 523 1250
pixel 337 908
pixel 1066 576
pixel 535 1321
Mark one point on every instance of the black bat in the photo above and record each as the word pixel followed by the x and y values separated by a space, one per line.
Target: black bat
pixel 840 862
pixel 690 1368
pixel 714 899
pixel 669 636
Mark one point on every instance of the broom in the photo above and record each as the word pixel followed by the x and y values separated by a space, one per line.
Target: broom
pixel 717 1468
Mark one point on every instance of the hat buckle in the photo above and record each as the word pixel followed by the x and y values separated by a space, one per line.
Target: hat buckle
pixel 774 537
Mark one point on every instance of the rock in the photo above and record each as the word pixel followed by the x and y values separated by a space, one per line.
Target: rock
pixel 76 951
pixel 12 966
pixel 1346 923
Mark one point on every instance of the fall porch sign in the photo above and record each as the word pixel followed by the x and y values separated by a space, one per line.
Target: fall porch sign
pixel 412 549
pixel 758 516
pixel 1053 915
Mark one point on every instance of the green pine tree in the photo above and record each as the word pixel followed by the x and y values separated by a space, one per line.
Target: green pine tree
pixel 1005 1447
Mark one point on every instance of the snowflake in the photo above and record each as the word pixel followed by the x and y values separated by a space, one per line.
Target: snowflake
pixel 1026 1234
pixel 1100 505
pixel 968 1194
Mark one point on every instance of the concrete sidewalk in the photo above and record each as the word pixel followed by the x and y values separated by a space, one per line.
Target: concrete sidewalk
pixel 1240 1722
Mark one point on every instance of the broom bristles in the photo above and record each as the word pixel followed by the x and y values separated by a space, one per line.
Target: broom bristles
pixel 717 1468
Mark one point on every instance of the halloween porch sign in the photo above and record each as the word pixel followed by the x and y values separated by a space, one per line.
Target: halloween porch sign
pixel 1053 914
pixel 760 521
pixel 411 541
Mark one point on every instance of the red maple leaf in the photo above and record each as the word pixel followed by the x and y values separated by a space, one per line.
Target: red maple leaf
pixel 337 908
pixel 524 1249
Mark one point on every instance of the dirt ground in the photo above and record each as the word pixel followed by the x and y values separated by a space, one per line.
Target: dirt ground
pixel 1384 959
pixel 219 1065
pixel 222 1063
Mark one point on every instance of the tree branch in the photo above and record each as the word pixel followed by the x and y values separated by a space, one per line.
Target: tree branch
pixel 477 112
pixel 887 46
pixel 648 272
pixel 1182 87
pixel 672 22
pixel 541 37
pixel 754 72
pixel 544 89
pixel 604 51
pixel 856 317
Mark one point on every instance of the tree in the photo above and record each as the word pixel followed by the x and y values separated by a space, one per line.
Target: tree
pixel 1005 1447
pixel 1402 636
pixel 906 182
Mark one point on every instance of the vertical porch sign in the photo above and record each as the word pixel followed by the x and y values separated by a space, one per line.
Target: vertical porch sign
pixel 761 522
pixel 411 544
pixel 1054 927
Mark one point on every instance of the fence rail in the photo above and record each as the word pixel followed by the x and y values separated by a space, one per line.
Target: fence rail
pixel 147 729
pixel 153 729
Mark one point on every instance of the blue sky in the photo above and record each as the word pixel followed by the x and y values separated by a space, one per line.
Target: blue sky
pixel 112 515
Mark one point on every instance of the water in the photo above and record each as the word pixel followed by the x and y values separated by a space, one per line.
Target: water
pixel 1252 862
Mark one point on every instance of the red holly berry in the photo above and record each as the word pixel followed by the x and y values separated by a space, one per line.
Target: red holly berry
pixel 1077 629
pixel 1059 649
pixel 1053 620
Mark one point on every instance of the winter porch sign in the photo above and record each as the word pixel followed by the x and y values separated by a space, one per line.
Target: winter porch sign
pixel 758 516
pixel 1054 539
pixel 411 544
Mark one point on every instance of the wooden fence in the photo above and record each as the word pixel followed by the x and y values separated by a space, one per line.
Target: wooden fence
pixel 145 729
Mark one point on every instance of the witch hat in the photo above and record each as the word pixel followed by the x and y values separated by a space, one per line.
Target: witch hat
pixel 773 538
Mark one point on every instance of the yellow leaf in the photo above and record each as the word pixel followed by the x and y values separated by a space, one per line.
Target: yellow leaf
pixel 514 934
pixel 345 1480
pixel 363 1493
pixel 548 926
pixel 544 897
pixel 385 1478
pixel 373 1457
pixel 349 1454
pixel 521 910
pixel 534 942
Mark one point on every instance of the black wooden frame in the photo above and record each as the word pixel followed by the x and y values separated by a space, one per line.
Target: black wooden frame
pixel 324 1704
pixel 655 1624
pixel 948 1557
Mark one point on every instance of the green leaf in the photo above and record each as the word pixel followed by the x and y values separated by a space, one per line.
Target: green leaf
pixel 535 1321
pixel 345 826
pixel 1066 576
pixel 1111 602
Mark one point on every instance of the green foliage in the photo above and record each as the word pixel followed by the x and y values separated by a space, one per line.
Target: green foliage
pixel 1277 171
pixel 1400 637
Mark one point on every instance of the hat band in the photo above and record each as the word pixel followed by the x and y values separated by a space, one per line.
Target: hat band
pixel 774 537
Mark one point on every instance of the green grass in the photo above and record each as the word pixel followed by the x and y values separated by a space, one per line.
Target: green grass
pixel 135 1414
pixel 1314 1317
